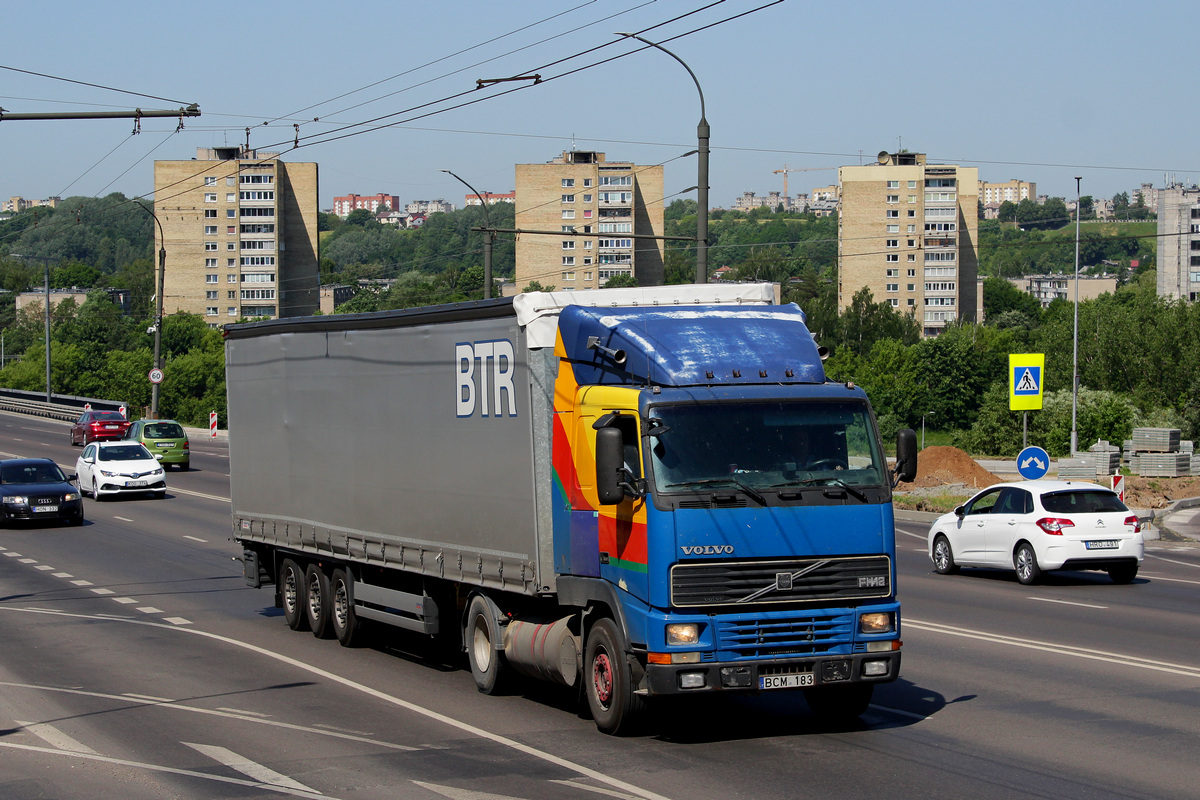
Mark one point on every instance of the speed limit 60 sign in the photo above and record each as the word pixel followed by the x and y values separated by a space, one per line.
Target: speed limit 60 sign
pixel 156 375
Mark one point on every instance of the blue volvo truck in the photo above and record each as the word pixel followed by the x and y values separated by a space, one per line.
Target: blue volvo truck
pixel 638 493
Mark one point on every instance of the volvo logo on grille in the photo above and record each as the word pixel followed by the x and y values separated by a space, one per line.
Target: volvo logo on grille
pixel 708 550
pixel 783 581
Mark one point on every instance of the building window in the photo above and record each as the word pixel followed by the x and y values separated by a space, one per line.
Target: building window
pixel 258 294
pixel 231 278
pixel 260 227
pixel 892 213
pixel 587 245
pixel 912 212
pixel 912 184
pixel 912 287
pixel 893 242
pixel 230 181
pixel 912 242
pixel 210 197
pixel 940 287
pixel 893 198
pixel 587 198
pixel 912 273
pixel 893 287
pixel 231 295
pixel 568 244
pixel 259 277
pixel 623 243
pixel 231 262
pixel 568 198
pixel 939 183
pixel 912 198
pixel 210 262
pixel 893 228
pixel 947 256
pixel 231 198
pixel 232 311
pixel 255 212
pixel 231 245
pixel 912 256
pixel 256 195
pixel 912 228
pixel 210 278
pixel 568 276
pixel 258 244
pixel 211 311
pixel 893 184
pixel 568 183
pixel 940 197
pixel 568 261
pixel 895 301
pixel 210 245
pixel 939 301
pixel 210 295
pixel 210 181
pixel 587 276
pixel 587 213
pixel 892 258
pixel 210 212
pixel 258 179
pixel 587 261
pixel 587 182
pixel 231 212
pixel 210 230
pixel 568 213
pixel 893 273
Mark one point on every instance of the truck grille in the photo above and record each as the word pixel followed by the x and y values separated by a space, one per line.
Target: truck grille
pixel 784 637
pixel 783 581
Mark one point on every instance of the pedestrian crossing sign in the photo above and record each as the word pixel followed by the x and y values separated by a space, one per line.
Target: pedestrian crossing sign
pixel 1025 372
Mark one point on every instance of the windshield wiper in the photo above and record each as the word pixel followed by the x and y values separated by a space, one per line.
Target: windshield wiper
pixel 750 491
pixel 824 482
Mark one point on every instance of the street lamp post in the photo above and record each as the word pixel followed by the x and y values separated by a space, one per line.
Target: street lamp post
pixel 488 235
pixel 1075 336
pixel 158 309
pixel 702 133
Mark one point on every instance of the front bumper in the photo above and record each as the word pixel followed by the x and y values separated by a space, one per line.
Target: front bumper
pixel 746 676
pixel 70 509
pixel 111 487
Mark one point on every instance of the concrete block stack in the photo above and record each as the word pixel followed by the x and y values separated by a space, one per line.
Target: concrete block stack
pixel 1101 460
pixel 1157 453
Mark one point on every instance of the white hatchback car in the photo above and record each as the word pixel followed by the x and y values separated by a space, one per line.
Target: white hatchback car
pixel 1035 526
pixel 119 467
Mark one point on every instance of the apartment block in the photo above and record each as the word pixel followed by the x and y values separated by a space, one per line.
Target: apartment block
pixel 907 230
pixel 601 206
pixel 1179 242
pixel 428 207
pixel 491 198
pixel 342 206
pixel 240 231
pixel 1013 191
pixel 1048 288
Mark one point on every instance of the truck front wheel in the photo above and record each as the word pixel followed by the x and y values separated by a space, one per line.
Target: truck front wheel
pixel 318 606
pixel 607 681
pixel 291 588
pixel 487 663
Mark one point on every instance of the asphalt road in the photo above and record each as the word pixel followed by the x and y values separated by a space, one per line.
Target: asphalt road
pixel 134 663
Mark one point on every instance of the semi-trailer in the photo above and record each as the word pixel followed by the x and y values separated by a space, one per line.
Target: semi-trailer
pixel 635 492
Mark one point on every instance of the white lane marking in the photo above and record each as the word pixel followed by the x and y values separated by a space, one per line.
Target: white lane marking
pixel 123 519
pixel 103 591
pixel 466 727
pixel 1059 649
pixel 82 583
pixel 177 490
pixel 63 575
pixel 27 560
pixel 342 730
pixel 454 793
pixel 149 697
pixel 240 712
pixel 577 783
pixel 11 554
pixel 1172 580
pixel 54 737
pixel 125 600
pixel 196 539
pixel 1173 561
pixel 1065 602
pixel 150 610
pixel 176 620
pixel 168 770
pixel 45 567
pixel 889 710
pixel 249 768
pixel 914 535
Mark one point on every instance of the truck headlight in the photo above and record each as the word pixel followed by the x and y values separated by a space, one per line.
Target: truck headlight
pixel 683 633
pixel 875 622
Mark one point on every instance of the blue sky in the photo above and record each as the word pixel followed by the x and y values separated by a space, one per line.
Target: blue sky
pixel 1037 91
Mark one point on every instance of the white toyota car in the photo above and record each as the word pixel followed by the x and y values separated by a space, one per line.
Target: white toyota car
pixel 119 467
pixel 1036 526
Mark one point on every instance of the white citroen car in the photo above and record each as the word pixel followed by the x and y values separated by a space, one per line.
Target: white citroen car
pixel 1037 526
pixel 119 467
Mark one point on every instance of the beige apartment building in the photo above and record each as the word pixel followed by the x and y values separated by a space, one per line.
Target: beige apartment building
pixel 907 230
pixel 600 206
pixel 241 235
pixel 1012 191
pixel 1179 242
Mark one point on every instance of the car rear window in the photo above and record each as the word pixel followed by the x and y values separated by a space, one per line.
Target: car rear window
pixel 1082 502
pixel 108 415
pixel 164 430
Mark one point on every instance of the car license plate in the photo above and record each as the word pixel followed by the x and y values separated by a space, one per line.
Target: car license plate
pixel 136 483
pixel 166 444
pixel 45 508
pixel 785 681
pixel 1102 544
pixel 110 427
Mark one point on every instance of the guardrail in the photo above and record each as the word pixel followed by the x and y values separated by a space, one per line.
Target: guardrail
pixel 62 407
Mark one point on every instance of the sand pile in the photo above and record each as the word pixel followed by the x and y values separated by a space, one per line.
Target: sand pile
pixel 941 466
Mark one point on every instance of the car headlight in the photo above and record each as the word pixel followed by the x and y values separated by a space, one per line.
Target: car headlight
pixel 158 471
pixel 875 622
pixel 683 633
pixel 69 496
pixel 16 500
pixel 107 474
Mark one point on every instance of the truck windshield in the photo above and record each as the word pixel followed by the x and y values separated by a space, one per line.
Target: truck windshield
pixel 764 446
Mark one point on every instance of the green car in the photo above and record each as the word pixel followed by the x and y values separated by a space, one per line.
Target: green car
pixel 165 439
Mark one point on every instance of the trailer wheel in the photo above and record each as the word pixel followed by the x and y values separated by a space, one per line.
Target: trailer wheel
pixel 607 681
pixel 291 588
pixel 317 606
pixel 488 667
pixel 345 621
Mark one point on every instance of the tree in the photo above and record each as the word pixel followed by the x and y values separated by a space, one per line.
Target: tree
pixel 360 217
pixel 536 286
pixel 1007 211
pixel 1001 297
pixel 74 275
pixel 619 281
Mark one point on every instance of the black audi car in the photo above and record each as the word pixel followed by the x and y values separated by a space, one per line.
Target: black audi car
pixel 37 489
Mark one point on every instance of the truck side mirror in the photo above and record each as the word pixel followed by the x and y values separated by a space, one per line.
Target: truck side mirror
pixel 906 454
pixel 609 460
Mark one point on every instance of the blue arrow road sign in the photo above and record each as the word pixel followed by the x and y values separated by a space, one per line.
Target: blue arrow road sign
pixel 1033 463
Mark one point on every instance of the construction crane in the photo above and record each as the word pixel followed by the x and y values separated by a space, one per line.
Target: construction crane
pixel 786 169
